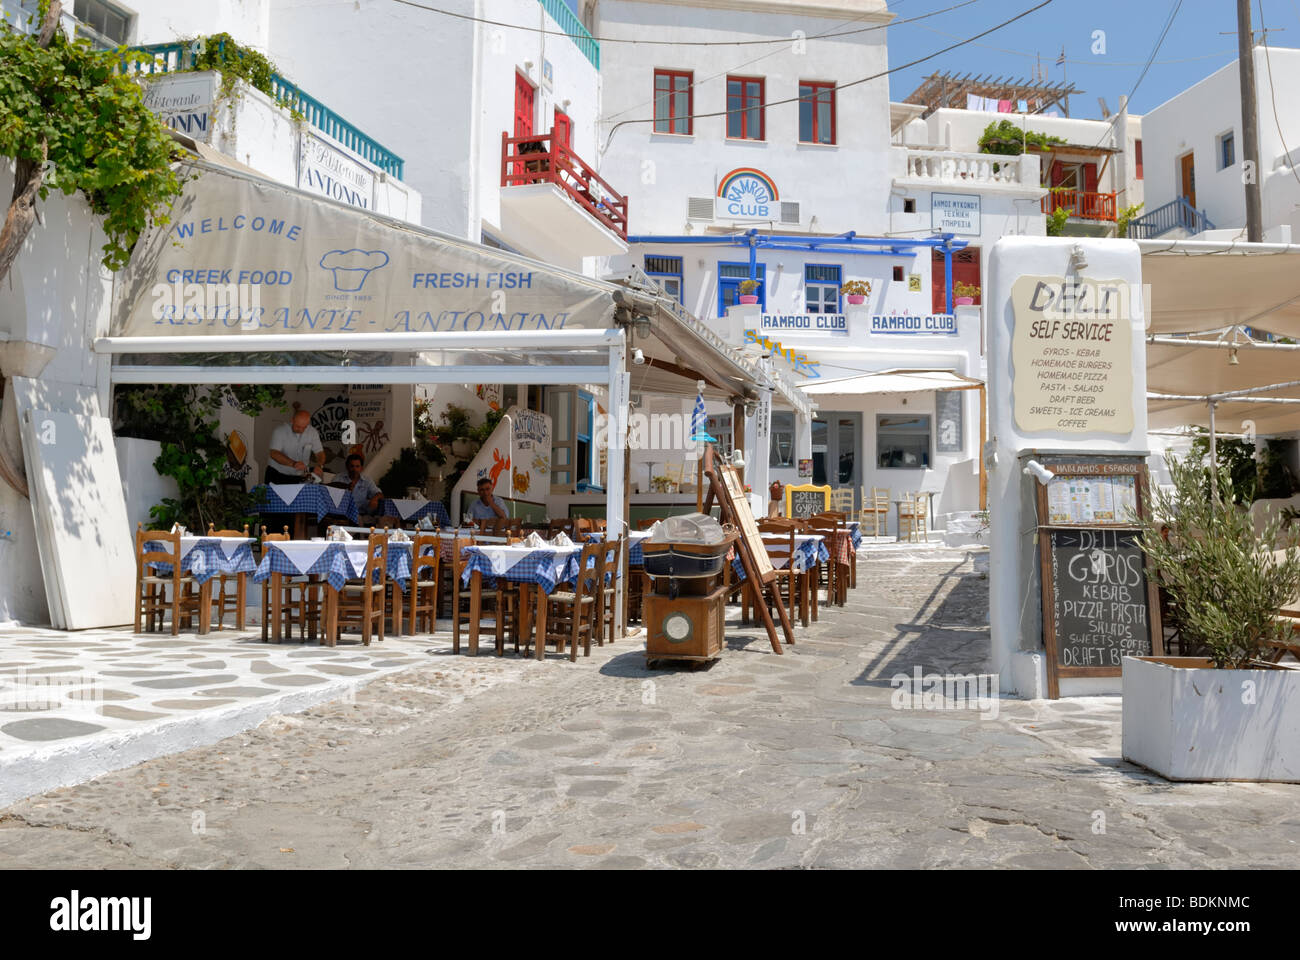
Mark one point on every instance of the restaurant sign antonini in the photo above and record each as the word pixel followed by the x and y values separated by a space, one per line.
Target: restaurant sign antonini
pixel 287 263
pixel 1072 354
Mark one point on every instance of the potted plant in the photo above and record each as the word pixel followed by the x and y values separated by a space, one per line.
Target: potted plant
pixel 965 294
pixel 455 431
pixel 856 291
pixel 1229 714
pixel 747 288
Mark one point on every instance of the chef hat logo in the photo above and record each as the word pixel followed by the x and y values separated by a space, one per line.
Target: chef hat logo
pixel 352 267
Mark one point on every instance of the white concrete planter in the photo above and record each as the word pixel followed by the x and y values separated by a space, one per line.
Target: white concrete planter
pixel 1187 721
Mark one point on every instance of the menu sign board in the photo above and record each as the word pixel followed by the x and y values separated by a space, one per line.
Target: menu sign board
pixel 1072 353
pixel 806 500
pixel 1100 598
pixel 1075 500
pixel 745 519
pixel 1100 603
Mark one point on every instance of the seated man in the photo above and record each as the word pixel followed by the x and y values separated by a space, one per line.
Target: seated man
pixel 488 505
pixel 369 499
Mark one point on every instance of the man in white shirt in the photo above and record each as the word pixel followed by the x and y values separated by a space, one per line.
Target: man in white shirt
pixel 296 450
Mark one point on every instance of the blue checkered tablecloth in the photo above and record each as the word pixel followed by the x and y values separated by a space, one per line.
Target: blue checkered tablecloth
pixel 855 533
pixel 545 566
pixel 310 498
pixel 411 512
pixel 338 562
pixel 205 558
pixel 635 558
pixel 808 552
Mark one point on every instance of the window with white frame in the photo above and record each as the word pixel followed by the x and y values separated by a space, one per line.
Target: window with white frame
pixel 104 23
pixel 821 287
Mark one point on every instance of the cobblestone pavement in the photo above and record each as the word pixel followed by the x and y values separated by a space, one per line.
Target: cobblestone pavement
pixel 759 761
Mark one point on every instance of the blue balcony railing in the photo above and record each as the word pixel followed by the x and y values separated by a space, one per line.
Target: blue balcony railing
pixel 178 57
pixel 1175 213
pixel 570 24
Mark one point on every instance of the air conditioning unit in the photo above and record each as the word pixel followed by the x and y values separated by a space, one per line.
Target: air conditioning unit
pixel 699 208
pixel 789 212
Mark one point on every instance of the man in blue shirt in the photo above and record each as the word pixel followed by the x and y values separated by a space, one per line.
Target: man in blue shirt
pixel 487 505
pixel 364 492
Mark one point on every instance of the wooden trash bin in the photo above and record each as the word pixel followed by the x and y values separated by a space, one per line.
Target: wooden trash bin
pixel 689 626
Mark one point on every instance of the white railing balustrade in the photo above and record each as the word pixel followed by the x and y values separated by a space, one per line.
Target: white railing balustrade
pixel 945 167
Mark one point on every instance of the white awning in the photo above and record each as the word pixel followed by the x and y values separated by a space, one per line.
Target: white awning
pixel 893 381
pixel 1200 285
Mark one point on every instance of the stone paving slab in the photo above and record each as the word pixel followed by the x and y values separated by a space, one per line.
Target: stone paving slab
pixel 104 707
pixel 758 761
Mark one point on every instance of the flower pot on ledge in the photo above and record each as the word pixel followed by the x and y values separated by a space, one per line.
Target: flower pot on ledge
pixel 1186 720
pixel 748 298
pixel 963 301
pixel 857 299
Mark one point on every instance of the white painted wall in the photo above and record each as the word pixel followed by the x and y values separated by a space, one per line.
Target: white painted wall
pixel 165 21
pixel 840 187
pixel 1014 597
pixel 56 295
pixel 455 96
pixel 1196 118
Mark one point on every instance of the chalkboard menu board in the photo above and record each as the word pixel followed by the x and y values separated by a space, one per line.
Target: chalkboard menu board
pixel 802 502
pixel 948 415
pixel 1099 602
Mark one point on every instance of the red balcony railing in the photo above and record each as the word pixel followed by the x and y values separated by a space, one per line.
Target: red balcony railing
pixel 1080 203
pixel 543 159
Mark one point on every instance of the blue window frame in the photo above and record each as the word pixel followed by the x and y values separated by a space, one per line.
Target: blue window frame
pixel 821 287
pixel 583 423
pixel 667 272
pixel 729 277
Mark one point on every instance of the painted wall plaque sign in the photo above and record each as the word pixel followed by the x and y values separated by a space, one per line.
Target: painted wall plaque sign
pixel 955 213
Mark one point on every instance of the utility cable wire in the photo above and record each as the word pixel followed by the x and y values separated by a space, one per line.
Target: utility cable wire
pixel 1272 95
pixel 854 83
pixel 666 43
pixel 763 56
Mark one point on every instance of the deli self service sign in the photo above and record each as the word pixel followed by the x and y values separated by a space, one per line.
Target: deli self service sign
pixel 1072 354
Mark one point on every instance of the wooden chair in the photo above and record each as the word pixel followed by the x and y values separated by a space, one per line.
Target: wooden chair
pixel 842 500
pixel 875 510
pixel 574 614
pixel 152 597
pixel 780 547
pixel 912 517
pixel 609 592
pixel 361 602
pixel 836 578
pixel 502 527
pixel 240 580
pixel 562 524
pixel 422 603
pixel 501 601
pixel 842 521
pixel 645 523
pixel 299 600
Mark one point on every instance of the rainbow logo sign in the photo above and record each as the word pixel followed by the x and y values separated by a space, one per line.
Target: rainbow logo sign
pixel 746 194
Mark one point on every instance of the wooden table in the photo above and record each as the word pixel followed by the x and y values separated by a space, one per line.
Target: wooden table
pixel 531 594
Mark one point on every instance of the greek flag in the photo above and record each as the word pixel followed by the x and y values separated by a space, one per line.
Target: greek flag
pixel 699 422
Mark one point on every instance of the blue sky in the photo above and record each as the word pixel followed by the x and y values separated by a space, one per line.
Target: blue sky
pixel 1193 49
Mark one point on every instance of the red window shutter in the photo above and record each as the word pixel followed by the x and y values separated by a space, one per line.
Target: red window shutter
pixel 938 293
pixel 1090 177
pixel 1058 173
pixel 1137 153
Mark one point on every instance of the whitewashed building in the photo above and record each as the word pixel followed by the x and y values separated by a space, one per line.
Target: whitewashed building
pixel 1194 156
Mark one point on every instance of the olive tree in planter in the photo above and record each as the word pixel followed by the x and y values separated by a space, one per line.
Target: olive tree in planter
pixel 1230 714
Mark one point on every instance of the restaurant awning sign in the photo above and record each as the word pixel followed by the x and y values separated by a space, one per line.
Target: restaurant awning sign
pixel 243 256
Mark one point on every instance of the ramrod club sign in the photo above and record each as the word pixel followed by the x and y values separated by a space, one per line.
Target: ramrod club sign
pixel 747 194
